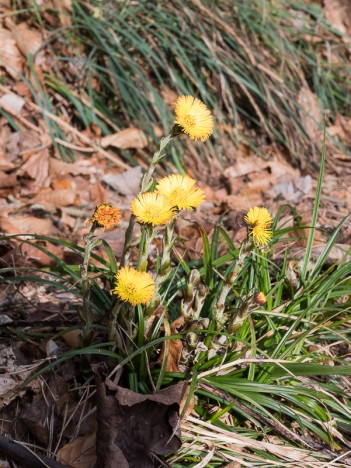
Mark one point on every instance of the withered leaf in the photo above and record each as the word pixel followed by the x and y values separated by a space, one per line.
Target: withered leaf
pixel 125 139
pixel 80 453
pixel 10 57
pixel 132 426
pixel 125 183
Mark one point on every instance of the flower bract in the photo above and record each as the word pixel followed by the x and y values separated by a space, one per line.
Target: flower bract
pixel 152 208
pixel 259 221
pixel 193 117
pixel 106 216
pixel 181 191
pixel 136 287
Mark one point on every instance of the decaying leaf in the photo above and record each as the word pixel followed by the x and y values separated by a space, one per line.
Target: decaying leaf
pixel 338 13
pixel 132 427
pixel 64 8
pixel 17 224
pixel 37 168
pixel 125 183
pixel 12 376
pixel 126 139
pixel 10 56
pixel 55 198
pixel 44 410
pixel 80 453
pixel 12 102
pixel 29 40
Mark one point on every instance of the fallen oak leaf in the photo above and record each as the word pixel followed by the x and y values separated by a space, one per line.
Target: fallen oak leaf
pixel 10 56
pixel 126 139
pixel 132 427
pixel 16 224
pixel 80 453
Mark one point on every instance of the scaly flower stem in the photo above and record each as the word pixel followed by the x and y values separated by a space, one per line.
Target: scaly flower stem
pixel 148 235
pixel 146 183
pixel 218 311
pixel 167 245
pixel 85 313
pixel 165 267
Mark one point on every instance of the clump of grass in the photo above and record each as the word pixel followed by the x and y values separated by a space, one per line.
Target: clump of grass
pixel 261 352
pixel 247 61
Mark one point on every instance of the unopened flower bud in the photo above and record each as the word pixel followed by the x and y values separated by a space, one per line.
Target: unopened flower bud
pixel 260 298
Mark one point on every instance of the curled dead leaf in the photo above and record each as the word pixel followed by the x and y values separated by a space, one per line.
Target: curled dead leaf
pixel 17 224
pixel 126 182
pixel 10 57
pixel 132 426
pixel 126 139
pixel 80 453
pixel 54 198
pixel 28 40
pixel 37 168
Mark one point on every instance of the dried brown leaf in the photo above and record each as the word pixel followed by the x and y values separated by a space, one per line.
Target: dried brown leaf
pixel 7 180
pixel 338 13
pixel 36 255
pixel 244 166
pixel 54 198
pixel 80 453
pixel 20 142
pixel 12 376
pixel 37 168
pixel 80 167
pixel 174 355
pixel 16 224
pixel 29 40
pixel 125 183
pixel 125 139
pixel 10 57
pixel 64 8
pixel 132 426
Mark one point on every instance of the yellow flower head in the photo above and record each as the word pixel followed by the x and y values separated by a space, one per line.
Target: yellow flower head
pixel 152 208
pixel 136 287
pixel 260 221
pixel 106 216
pixel 181 191
pixel 193 117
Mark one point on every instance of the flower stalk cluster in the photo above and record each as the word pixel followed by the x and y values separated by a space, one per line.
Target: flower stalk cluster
pixel 139 310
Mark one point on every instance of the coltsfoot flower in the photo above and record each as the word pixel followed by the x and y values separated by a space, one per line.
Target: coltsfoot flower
pixel 152 208
pixel 105 216
pixel 259 221
pixel 181 191
pixel 193 117
pixel 136 287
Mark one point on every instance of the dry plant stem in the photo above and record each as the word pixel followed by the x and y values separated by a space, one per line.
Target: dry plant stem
pixel 86 314
pixel 146 183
